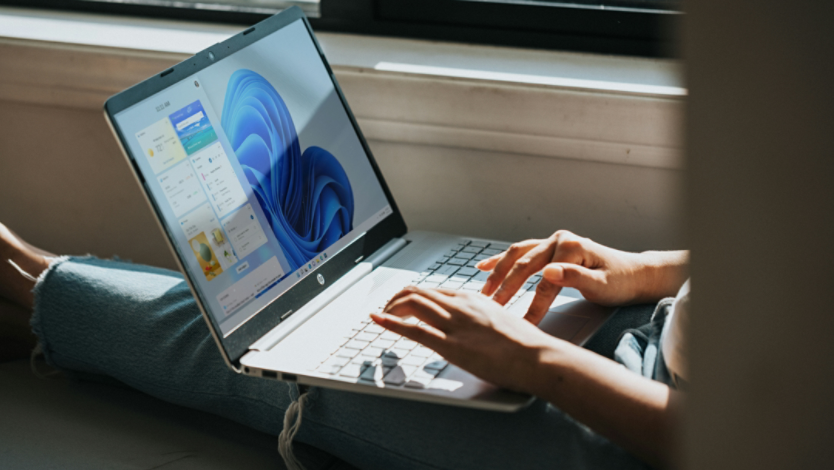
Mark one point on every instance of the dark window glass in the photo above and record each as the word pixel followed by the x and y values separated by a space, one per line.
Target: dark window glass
pixel 629 27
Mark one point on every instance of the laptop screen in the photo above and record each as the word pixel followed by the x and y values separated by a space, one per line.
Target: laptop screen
pixel 256 171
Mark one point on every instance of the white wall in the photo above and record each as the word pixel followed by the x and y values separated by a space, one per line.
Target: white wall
pixel 475 157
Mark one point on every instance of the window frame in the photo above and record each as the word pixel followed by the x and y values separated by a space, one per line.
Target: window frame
pixel 532 24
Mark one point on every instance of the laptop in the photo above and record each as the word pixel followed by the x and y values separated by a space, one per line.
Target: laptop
pixel 286 232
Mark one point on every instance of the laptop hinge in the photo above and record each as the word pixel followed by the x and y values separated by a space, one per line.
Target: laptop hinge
pixel 283 329
pixel 386 252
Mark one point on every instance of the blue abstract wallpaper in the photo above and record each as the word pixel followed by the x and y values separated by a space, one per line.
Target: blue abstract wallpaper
pixel 306 196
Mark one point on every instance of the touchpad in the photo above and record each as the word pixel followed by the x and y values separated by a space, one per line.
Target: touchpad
pixel 562 325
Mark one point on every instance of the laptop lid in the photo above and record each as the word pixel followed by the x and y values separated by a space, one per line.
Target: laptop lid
pixel 258 174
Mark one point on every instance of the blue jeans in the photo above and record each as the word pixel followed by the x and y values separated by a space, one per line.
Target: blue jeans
pixel 140 325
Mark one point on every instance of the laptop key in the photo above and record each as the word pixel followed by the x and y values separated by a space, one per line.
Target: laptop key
pixel 337 360
pixel 390 335
pixel 365 336
pixel 491 251
pixel 428 285
pixel 437 365
pixel 356 344
pixel 478 244
pixel 458 277
pixel 329 369
pixel 372 373
pixel 452 285
pixel 472 249
pixel 348 353
pixel 467 272
pixel 419 380
pixel 446 270
pixel 375 329
pixel 382 343
pixel 457 261
pixel 372 352
pixel 398 374
pixel 422 351
pixel 399 351
pixel 406 344
pixel 352 370
pixel 438 278
pixel 390 360
pixel 413 360
pixel 333 365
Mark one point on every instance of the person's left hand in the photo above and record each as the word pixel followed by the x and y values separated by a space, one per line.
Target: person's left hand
pixel 471 331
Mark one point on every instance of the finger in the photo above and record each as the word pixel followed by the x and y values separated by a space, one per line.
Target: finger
pixel 409 290
pixel 587 281
pixel 418 305
pixel 443 298
pixel 405 291
pixel 414 290
pixel 489 263
pixel 430 337
pixel 546 293
pixel 524 267
pixel 508 259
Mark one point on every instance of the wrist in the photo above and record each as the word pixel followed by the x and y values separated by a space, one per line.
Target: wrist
pixel 663 273
pixel 548 361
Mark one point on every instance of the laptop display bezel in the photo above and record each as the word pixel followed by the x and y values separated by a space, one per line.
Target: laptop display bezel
pixel 236 344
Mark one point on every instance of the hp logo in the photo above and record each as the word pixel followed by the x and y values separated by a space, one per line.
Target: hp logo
pixel 320 278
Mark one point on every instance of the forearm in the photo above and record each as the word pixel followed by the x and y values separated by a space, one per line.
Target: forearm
pixel 662 273
pixel 632 411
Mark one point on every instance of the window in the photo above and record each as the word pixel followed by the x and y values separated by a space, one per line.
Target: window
pixel 627 27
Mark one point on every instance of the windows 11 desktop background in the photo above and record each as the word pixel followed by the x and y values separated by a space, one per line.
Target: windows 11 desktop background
pixel 307 195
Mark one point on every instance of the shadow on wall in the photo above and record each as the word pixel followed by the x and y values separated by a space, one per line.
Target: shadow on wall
pixel 73 193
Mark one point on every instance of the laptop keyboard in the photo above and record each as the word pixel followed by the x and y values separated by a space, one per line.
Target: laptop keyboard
pixel 370 353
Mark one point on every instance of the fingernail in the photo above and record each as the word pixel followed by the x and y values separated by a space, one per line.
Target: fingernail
pixel 487 286
pixel 498 293
pixel 554 273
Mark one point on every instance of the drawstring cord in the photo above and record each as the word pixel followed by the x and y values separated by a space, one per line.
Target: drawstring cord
pixel 292 422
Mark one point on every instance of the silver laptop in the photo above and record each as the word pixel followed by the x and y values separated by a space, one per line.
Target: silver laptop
pixel 286 232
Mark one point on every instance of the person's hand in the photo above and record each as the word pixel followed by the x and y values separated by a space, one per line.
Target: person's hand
pixel 603 275
pixel 472 332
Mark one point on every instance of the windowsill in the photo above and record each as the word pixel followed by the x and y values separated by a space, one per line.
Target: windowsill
pixel 654 77
pixel 559 105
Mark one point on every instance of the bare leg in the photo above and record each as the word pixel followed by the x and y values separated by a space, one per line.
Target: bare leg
pixel 16 298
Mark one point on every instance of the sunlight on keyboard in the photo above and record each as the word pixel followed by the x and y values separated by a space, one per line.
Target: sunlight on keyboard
pixel 370 353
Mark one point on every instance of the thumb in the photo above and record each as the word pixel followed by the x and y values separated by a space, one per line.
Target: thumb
pixel 573 275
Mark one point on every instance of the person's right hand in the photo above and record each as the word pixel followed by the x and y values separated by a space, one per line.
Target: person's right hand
pixel 603 275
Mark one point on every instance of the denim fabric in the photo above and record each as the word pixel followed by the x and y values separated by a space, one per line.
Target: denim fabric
pixel 606 340
pixel 639 349
pixel 140 325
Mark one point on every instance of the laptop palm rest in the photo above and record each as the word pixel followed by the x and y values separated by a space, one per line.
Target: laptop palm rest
pixel 575 321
